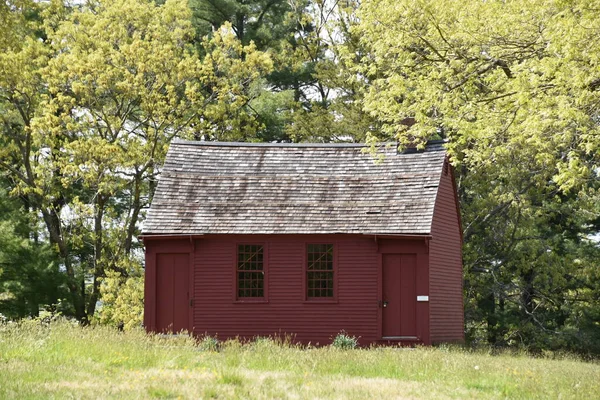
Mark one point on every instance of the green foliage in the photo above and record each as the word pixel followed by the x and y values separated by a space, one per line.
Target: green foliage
pixel 29 275
pixel 123 298
pixel 513 87
pixel 272 113
pixel 91 98
pixel 64 360
pixel 498 78
pixel 270 25
pixel 209 343
pixel 307 96
pixel 329 99
pixel 264 22
pixel 343 341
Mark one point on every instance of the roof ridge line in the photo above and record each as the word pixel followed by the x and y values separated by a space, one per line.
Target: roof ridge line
pixel 289 145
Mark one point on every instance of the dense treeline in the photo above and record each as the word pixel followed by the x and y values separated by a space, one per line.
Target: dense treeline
pixel 91 94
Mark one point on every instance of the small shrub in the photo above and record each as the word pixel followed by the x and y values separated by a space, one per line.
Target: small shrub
pixel 123 297
pixel 344 341
pixel 209 343
pixel 48 315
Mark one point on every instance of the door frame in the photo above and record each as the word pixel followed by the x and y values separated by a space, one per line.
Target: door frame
pixel 408 338
pixel 419 247
pixel 153 248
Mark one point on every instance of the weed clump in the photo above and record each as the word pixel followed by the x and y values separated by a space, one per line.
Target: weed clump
pixel 209 343
pixel 343 341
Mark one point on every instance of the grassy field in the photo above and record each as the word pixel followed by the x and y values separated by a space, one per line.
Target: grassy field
pixel 65 361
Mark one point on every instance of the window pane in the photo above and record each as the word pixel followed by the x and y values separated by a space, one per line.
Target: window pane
pixel 250 275
pixel 319 274
pixel 320 257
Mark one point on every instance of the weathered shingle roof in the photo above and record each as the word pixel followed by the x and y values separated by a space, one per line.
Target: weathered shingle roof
pixel 237 188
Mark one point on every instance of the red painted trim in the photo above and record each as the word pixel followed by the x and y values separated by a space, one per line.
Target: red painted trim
pixel 191 303
pixel 259 300
pixel 266 263
pixel 397 246
pixel 455 190
pixel 150 290
pixel 422 282
pixel 401 236
pixel 183 246
pixel 304 274
pixel 233 250
pixel 460 230
pixel 168 237
pixel 336 271
pixel 379 295
pixel 153 290
pixel 144 238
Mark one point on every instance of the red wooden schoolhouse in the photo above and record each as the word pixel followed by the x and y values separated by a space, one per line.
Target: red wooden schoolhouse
pixel 307 240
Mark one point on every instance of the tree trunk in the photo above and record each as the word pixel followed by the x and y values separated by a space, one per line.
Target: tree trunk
pixel 240 28
pixel 52 221
pixel 527 295
pixel 136 207
pixel 98 262
pixel 491 319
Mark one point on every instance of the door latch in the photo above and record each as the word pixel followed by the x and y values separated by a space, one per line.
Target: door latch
pixel 385 303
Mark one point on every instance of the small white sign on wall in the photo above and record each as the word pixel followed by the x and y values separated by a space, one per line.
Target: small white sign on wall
pixel 422 298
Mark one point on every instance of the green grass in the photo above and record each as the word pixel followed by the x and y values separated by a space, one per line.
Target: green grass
pixel 66 361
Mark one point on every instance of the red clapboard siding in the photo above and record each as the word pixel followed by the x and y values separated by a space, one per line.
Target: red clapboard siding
pixel 286 311
pixel 445 267
pixel 213 308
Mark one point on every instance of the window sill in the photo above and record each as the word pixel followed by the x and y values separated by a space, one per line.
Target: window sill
pixel 319 301
pixel 258 301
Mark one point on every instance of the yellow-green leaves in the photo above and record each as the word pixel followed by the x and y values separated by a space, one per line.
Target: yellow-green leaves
pixel 515 88
pixel 90 103
pixel 500 75
pixel 123 298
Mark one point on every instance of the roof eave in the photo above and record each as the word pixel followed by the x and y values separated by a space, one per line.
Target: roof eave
pixel 162 236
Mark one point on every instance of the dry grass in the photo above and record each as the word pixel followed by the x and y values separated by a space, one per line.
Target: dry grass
pixel 66 361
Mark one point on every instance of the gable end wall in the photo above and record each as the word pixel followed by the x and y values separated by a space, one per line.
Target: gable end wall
pixel 445 267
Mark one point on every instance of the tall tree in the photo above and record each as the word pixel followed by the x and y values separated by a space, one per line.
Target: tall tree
pixel 514 87
pixel 269 25
pixel 307 96
pixel 264 22
pixel 329 104
pixel 91 109
pixel 29 274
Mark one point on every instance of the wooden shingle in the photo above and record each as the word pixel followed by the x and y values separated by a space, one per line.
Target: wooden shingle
pixel 242 188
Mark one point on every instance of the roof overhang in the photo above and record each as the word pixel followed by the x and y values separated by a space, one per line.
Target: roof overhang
pixel 201 236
